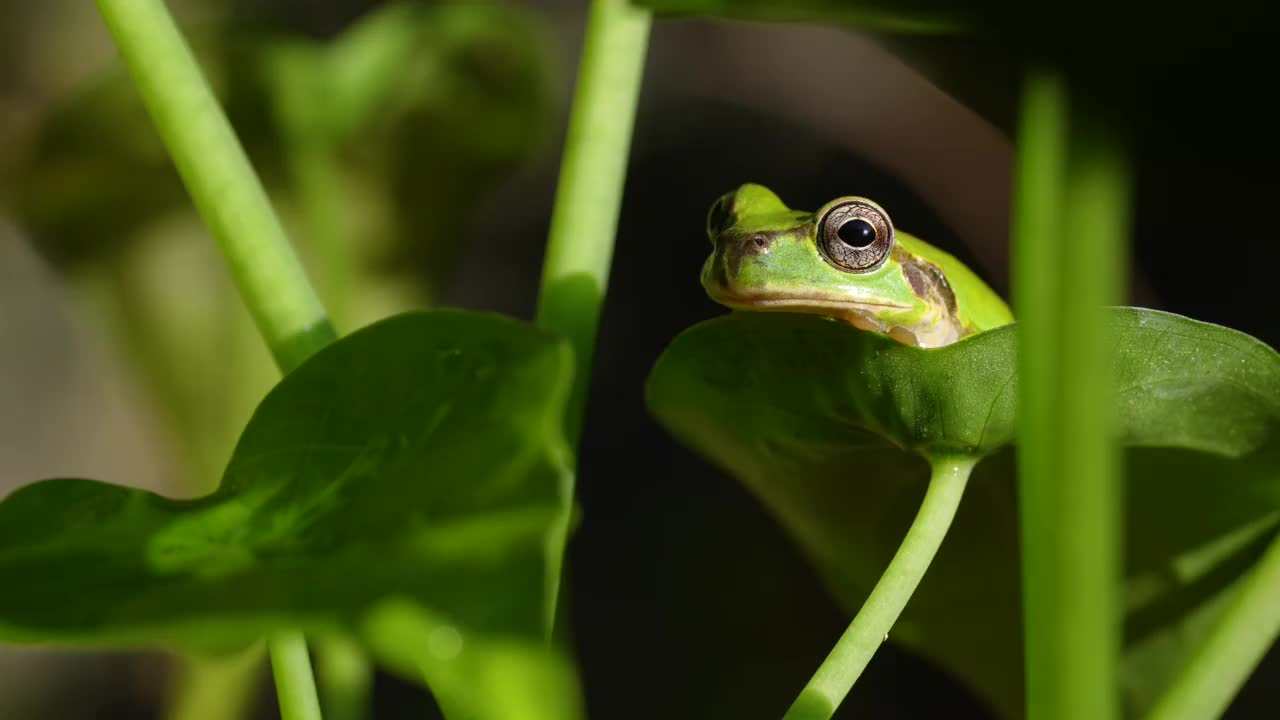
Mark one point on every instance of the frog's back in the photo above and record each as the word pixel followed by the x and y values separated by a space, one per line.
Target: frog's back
pixel 977 305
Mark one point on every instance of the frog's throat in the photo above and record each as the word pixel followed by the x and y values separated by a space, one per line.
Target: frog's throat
pixel 797 303
pixel 936 329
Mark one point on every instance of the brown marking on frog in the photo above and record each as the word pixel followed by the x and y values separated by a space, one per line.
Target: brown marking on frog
pixel 927 281
pixel 741 247
pixel 916 277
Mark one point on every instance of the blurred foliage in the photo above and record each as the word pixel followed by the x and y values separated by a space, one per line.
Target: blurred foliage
pixel 427 105
pixel 80 196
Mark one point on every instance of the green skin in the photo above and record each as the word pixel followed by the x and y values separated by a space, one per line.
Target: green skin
pixel 768 257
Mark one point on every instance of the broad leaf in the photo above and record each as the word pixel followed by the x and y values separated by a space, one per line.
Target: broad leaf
pixel 829 426
pixel 414 466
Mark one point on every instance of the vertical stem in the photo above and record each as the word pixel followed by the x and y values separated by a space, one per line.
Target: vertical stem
pixel 1069 470
pixel 217 173
pixel 835 677
pixel 1039 176
pixel 317 179
pixel 1227 656
pixel 300 80
pixel 217 688
pixel 296 685
pixel 575 271
pixel 234 205
pixel 345 676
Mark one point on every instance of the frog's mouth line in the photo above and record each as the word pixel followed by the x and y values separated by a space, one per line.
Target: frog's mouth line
pixel 796 302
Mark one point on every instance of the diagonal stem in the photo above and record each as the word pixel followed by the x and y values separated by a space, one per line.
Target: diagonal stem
pixel 234 206
pixel 222 183
pixel 589 193
pixel 1233 648
pixel 835 677
pixel 295 683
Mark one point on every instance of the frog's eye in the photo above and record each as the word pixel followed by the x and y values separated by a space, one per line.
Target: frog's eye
pixel 720 217
pixel 855 235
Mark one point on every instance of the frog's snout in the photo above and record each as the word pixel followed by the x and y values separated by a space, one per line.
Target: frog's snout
pixel 737 248
pixel 723 268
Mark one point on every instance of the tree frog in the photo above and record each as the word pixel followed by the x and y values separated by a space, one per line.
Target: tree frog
pixel 845 261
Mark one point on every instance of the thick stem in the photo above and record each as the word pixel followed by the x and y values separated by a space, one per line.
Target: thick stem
pixel 295 683
pixel 234 205
pixel 345 676
pixel 575 271
pixel 217 173
pixel 1233 648
pixel 870 627
pixel 217 688
pixel 1070 164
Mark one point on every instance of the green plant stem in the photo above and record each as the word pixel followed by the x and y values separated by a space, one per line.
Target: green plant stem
pixel 345 676
pixel 1227 656
pixel 153 353
pixel 299 79
pixel 221 181
pixel 234 205
pixel 1069 165
pixel 870 627
pixel 217 688
pixel 575 271
pixel 295 683
pixel 317 178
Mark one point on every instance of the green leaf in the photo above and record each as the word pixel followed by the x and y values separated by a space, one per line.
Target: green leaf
pixel 415 466
pixel 828 426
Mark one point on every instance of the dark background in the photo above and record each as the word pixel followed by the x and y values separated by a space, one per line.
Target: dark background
pixel 686 599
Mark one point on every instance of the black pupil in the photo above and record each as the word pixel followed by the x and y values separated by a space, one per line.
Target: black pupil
pixel 857 233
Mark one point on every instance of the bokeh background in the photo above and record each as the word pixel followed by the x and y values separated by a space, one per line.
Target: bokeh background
pixel 124 355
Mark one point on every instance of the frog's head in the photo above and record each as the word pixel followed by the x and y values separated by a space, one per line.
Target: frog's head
pixel 839 261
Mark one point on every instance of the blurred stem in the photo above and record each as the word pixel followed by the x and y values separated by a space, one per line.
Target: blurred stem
pixel 295 683
pixel 221 181
pixel 575 271
pixel 151 355
pixel 345 677
pixel 1227 656
pixel 1070 164
pixel 299 77
pixel 217 688
pixel 315 175
pixel 870 627
pixel 234 205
